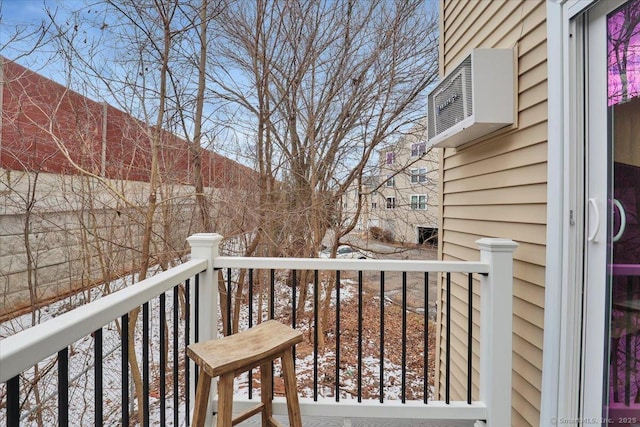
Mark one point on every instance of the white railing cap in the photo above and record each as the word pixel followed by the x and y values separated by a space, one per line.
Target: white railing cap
pixel 496 244
pixel 20 351
pixel 333 264
pixel 204 239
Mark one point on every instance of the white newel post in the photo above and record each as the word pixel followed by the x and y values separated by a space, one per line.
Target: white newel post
pixel 496 328
pixel 205 246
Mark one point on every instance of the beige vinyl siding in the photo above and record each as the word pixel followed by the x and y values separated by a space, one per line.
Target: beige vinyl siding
pixel 498 188
pixel 469 27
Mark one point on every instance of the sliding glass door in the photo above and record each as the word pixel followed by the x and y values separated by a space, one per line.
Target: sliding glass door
pixel 611 383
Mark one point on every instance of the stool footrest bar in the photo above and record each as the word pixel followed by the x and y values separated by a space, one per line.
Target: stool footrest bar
pixel 248 414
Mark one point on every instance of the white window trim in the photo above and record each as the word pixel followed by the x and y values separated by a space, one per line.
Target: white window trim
pixel 390 155
pixel 420 177
pixel 557 28
pixel 393 205
pixel 391 181
pixel 418 208
pixel 419 152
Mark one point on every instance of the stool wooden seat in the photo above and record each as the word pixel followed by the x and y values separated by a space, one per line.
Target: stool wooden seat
pixel 232 355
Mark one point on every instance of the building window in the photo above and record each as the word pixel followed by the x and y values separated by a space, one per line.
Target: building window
pixel 374 205
pixel 418 149
pixel 391 181
pixel 391 202
pixel 391 157
pixel 419 201
pixel 418 175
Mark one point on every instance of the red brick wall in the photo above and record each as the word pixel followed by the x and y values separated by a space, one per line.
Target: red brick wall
pixel 35 113
pixel 42 121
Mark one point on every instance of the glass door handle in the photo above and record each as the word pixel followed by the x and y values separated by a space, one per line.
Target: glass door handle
pixel 623 219
pixel 593 237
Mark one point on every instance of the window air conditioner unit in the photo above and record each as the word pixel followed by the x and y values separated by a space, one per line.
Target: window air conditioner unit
pixel 475 99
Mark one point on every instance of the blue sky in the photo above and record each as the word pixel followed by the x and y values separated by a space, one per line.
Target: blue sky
pixel 28 16
pixel 24 17
pixel 31 12
pixel 23 11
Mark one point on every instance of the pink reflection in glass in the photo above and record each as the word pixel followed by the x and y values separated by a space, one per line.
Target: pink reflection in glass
pixel 623 47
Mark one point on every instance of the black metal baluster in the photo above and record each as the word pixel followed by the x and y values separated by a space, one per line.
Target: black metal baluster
pixel 145 364
pixel 448 351
pixel 360 336
pixel 124 327
pixel 381 336
pixel 425 355
pixel 294 296
pixel 196 314
pixel 404 337
pixel 63 387
pixel 250 324
pixel 272 313
pixel 272 297
pixel 470 340
pixel 176 390
pixel 187 362
pixel 229 302
pixel 337 334
pixel 13 402
pixel 316 316
pixel 196 322
pixel 97 376
pixel 163 361
pixel 250 297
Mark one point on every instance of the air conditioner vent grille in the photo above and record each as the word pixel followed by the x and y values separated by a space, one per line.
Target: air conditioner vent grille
pixel 451 103
pixel 476 99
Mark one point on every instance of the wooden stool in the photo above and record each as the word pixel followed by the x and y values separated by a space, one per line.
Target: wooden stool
pixel 232 355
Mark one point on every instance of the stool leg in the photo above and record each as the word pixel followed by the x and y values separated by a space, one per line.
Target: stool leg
pixel 225 400
pixel 202 399
pixel 291 389
pixel 266 378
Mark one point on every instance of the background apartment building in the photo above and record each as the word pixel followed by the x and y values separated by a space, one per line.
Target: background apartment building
pixel 401 197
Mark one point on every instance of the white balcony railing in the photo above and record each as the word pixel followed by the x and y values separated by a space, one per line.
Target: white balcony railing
pixel 20 352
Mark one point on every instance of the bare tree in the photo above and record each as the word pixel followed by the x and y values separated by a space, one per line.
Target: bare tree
pixel 320 85
pixel 151 26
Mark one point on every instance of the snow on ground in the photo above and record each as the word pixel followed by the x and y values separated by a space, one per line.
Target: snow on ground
pixel 81 369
